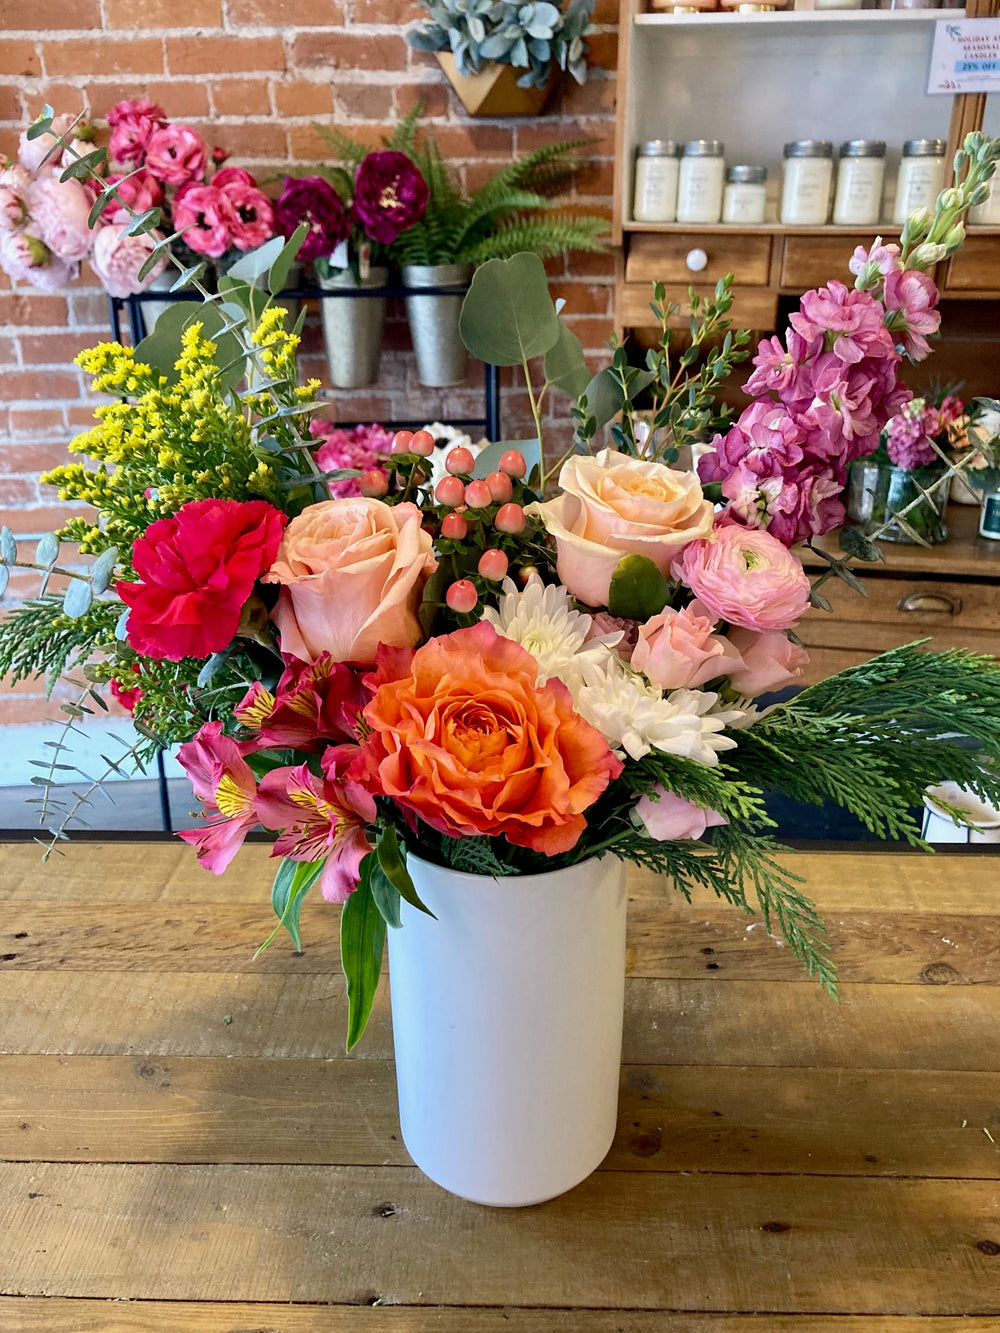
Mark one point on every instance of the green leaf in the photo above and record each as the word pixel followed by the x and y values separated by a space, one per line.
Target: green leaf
pixel 102 201
pixel 8 546
pixel 391 859
pixel 387 897
pixel 77 599
pixel 508 315
pixel 638 589
pixel 152 259
pixel 291 884
pixel 256 264
pixel 161 348
pixel 362 940
pixel 854 542
pixel 85 167
pixel 189 276
pixel 121 627
pixel 143 222
pixel 4 578
pixel 211 668
pixel 816 598
pixel 489 459
pixel 102 569
pixel 565 367
pixel 47 550
pixel 43 125
pixel 281 267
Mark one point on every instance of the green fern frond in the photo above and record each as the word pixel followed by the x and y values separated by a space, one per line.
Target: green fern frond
pixel 547 236
pixel 343 147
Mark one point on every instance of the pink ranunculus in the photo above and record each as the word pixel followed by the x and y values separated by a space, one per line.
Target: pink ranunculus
pixel 770 661
pixel 208 219
pixel 138 192
pixel 176 155
pixel 26 258
pixel 253 217
pixel 133 123
pixel 223 782
pixel 679 650
pixel 229 176
pixel 32 153
pixel 746 577
pixel 117 259
pixel 612 506
pixel 13 209
pixel 910 301
pixel 352 573
pixel 667 817
pixel 60 210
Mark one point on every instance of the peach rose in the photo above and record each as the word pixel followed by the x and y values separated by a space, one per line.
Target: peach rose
pixel 352 573
pixel 679 650
pixel 463 736
pixel 612 506
pixel 770 661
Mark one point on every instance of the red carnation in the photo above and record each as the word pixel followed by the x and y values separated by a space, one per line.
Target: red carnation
pixel 197 569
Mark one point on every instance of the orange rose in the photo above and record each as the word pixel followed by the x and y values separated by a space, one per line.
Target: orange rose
pixel 464 737
pixel 352 573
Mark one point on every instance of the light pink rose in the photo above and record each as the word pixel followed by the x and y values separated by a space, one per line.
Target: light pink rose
pixel 60 210
pixel 138 192
pixel 176 155
pixel 117 259
pixel 208 217
pixel 133 124
pixel 770 661
pixel 671 818
pixel 25 257
pixel 253 216
pixel 352 573
pixel 679 650
pixel 746 577
pixel 612 506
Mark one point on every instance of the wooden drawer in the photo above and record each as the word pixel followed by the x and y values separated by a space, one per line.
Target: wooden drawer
pixel 811 261
pixel 752 308
pixel 663 258
pixel 976 267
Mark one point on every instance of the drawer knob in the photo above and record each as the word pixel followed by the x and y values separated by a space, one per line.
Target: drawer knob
pixel 696 260
pixel 930 603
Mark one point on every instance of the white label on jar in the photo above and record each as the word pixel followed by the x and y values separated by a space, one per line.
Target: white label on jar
pixel 859 191
pixel 655 189
pixel 699 189
pixel 805 191
pixel 743 202
pixel 917 186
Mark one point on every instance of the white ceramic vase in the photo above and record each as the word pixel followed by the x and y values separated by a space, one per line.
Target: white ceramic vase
pixel 352 328
pixel 507 1024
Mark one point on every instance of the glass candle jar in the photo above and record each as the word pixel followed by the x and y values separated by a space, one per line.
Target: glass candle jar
pixel 921 176
pixel 655 196
pixel 744 195
pixel 700 181
pixel 806 183
pixel 860 172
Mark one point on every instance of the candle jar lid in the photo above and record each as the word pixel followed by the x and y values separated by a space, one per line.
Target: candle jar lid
pixel 809 148
pixel 863 148
pixel 924 148
pixel 746 175
pixel 657 148
pixel 702 148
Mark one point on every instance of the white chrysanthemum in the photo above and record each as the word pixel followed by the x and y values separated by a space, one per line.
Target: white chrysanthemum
pixel 541 620
pixel 635 717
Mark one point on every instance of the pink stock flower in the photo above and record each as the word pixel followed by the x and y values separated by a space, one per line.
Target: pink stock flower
pixel 252 221
pixel 60 210
pixel 680 649
pixel 770 661
pixel 791 505
pixel 910 300
pixel 138 192
pixel 746 577
pixel 848 322
pixel 875 263
pixel 323 818
pixel 667 817
pixel 765 433
pixel 208 217
pixel 133 124
pixel 117 259
pixel 26 258
pixel 223 782
pixel 176 155
pixel 314 703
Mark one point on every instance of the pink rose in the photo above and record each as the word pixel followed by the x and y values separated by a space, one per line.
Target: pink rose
pixel 60 210
pixel 746 577
pixel 137 192
pixel 26 258
pixel 352 573
pixel 176 155
pixel 679 650
pixel 667 817
pixel 209 218
pixel 117 259
pixel 770 661
pixel 133 124
pixel 612 506
pixel 253 217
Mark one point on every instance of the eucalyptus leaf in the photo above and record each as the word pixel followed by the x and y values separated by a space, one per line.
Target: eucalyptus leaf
pixel 816 598
pixel 86 166
pixel 161 348
pixel 362 941
pixel 211 668
pixel 103 201
pixel 854 542
pixel 638 589
pixel 121 627
pixel 144 222
pixel 8 546
pixel 605 397
pixel 47 550
pixel 565 367
pixel 256 264
pixel 488 460
pixel 77 599
pixel 277 279
pixel 4 578
pixel 508 315
pixel 102 569
pixel 43 125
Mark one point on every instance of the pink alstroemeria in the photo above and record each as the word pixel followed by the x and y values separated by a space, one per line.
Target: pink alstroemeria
pixel 314 703
pixel 223 782
pixel 322 818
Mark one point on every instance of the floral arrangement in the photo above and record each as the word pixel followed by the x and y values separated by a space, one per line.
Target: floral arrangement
pixel 521 670
pixel 924 432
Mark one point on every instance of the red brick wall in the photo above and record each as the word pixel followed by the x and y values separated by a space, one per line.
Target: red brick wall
pixel 253 76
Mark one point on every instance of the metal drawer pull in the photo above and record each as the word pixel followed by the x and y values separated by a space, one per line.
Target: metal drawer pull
pixel 696 260
pixel 930 603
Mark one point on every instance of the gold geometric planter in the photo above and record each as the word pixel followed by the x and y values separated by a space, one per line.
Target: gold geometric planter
pixel 494 91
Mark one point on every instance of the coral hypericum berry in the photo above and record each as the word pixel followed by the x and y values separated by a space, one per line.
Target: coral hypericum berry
pixel 493 565
pixel 500 487
pixel 401 442
pixel 373 484
pixel 510 518
pixel 513 463
pixel 450 491
pixel 422 443
pixel 454 526
pixel 462 596
pixel 459 460
pixel 477 495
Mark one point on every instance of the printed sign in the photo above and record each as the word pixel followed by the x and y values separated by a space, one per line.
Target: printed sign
pixel 965 57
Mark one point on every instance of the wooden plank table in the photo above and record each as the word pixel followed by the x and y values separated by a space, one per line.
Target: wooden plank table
pixel 185 1148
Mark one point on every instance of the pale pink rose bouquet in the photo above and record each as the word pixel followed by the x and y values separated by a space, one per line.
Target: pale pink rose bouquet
pixel 514 663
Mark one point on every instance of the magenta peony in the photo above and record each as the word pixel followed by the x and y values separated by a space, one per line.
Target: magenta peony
pixel 313 200
pixel 390 195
